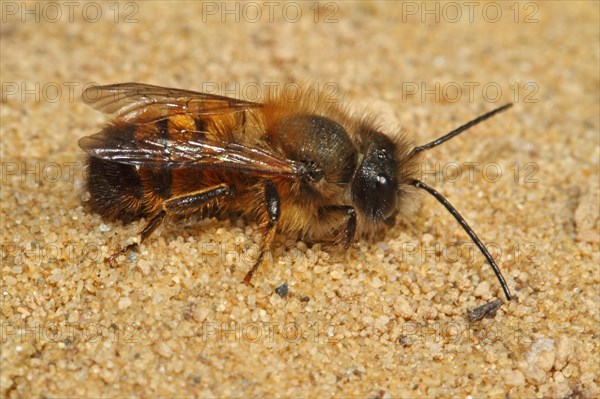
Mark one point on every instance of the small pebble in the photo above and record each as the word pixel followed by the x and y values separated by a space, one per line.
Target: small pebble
pixel 487 310
pixel 282 290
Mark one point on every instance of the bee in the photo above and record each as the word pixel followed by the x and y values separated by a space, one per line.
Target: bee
pixel 301 165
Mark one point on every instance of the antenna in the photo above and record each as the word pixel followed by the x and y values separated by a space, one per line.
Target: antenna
pixel 448 205
pixel 467 228
pixel 459 130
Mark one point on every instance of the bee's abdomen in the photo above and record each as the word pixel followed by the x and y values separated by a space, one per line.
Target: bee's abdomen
pixel 116 189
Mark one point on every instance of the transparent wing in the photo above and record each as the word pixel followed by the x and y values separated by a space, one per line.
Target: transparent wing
pixel 169 152
pixel 141 103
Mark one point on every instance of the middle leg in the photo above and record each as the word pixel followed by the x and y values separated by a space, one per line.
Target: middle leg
pixel 272 205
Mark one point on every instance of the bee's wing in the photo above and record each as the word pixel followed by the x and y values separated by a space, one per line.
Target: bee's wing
pixel 141 103
pixel 169 152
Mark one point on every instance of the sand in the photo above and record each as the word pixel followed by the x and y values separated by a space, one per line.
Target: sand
pixel 387 318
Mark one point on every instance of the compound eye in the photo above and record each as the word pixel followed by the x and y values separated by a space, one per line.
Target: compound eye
pixel 386 190
pixel 375 184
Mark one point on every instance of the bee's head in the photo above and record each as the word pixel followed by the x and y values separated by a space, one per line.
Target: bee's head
pixel 376 185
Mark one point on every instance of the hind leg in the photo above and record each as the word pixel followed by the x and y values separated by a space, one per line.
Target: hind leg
pixel 173 206
pixel 145 233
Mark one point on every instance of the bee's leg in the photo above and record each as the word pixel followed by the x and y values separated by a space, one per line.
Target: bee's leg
pixel 272 206
pixel 346 235
pixel 145 233
pixel 192 201
pixel 173 206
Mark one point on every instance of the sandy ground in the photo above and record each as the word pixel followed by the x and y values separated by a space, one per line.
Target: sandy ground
pixel 383 319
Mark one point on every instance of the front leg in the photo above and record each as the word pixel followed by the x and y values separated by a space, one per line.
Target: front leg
pixel 272 205
pixel 347 234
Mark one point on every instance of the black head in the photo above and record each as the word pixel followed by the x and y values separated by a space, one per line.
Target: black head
pixel 375 183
